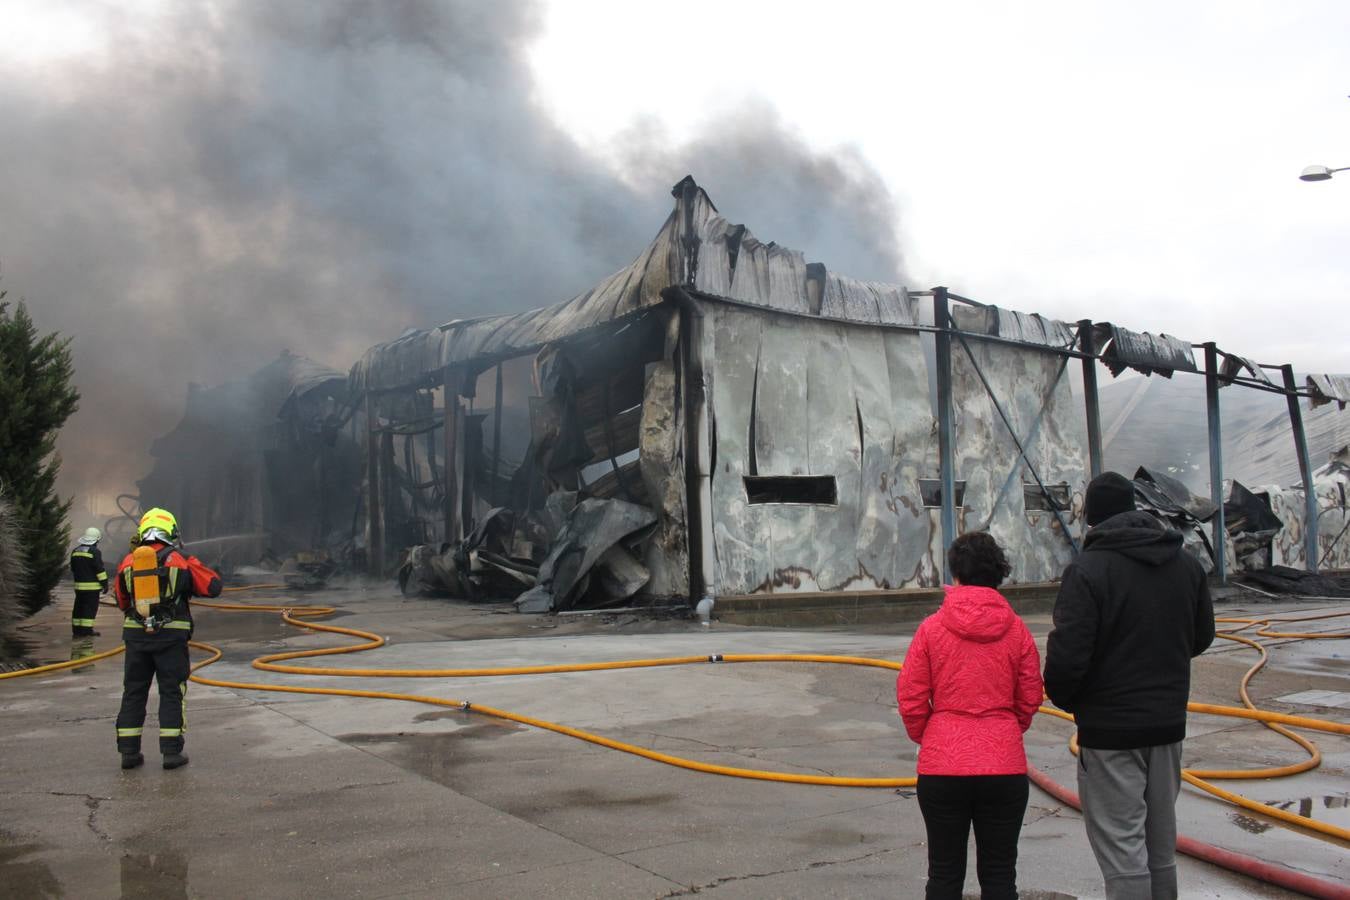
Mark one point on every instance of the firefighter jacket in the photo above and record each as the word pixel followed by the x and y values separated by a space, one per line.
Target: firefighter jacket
pixel 183 577
pixel 86 566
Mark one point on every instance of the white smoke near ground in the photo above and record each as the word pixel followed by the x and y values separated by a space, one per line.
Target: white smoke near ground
pixel 219 180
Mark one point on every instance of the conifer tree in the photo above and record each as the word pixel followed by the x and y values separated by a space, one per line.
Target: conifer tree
pixel 36 397
pixel 11 565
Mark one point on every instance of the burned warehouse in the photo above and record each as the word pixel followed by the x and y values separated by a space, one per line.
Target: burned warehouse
pixel 723 417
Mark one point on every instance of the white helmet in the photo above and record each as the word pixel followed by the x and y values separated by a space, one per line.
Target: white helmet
pixel 91 536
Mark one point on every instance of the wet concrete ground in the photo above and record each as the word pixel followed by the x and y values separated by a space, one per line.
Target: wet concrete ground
pixel 291 795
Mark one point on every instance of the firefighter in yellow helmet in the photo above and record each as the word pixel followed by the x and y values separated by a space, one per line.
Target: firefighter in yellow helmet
pixel 154 584
pixel 91 580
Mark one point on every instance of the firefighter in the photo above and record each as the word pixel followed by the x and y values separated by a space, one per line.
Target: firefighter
pixel 154 584
pixel 91 581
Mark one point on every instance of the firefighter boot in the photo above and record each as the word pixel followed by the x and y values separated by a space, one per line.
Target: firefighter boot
pixel 175 760
pixel 132 760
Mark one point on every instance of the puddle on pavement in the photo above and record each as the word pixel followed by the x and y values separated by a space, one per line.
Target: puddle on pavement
pixel 436 756
pixel 26 651
pixel 217 625
pixel 1333 809
pixel 529 808
pixel 437 715
pixel 161 875
pixel 18 651
pixel 1312 665
pixel 489 729
pixel 25 878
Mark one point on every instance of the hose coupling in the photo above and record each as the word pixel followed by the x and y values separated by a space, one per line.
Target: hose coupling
pixel 465 705
pixel 714 657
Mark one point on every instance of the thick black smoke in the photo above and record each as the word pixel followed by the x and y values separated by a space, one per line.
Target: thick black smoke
pixel 832 205
pixel 223 180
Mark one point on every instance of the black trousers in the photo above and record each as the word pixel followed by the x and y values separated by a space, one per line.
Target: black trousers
pixel 995 805
pixel 163 657
pixel 82 617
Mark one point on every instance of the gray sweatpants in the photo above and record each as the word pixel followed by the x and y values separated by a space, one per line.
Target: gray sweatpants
pixel 1130 809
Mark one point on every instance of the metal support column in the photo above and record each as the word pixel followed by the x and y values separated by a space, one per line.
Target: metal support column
pixel 1304 468
pixel 375 522
pixel 1220 533
pixel 946 442
pixel 450 387
pixel 391 498
pixel 1087 343
pixel 495 499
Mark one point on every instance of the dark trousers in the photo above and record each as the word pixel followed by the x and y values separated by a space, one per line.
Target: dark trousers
pixel 165 659
pixel 82 617
pixel 995 804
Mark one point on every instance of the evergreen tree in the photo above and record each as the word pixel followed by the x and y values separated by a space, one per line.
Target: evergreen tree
pixel 11 564
pixel 36 398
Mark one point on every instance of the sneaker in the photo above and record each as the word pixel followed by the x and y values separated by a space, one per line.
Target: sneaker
pixel 175 760
pixel 132 760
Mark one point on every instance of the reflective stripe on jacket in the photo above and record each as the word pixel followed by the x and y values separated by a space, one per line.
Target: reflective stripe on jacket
pixel 86 567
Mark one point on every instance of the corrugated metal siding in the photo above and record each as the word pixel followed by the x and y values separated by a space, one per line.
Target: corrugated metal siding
pixel 828 399
pixel 1031 387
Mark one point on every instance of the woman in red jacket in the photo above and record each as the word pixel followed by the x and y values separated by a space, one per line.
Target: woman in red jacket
pixel 970 685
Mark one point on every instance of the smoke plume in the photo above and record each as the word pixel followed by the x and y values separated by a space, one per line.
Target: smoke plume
pixel 217 181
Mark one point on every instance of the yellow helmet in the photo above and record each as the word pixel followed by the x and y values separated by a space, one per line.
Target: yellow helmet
pixel 158 524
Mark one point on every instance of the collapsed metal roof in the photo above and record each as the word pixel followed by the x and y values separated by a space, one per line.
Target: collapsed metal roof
pixel 1329 388
pixel 698 249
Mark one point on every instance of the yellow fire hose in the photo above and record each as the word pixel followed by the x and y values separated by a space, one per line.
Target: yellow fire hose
pixel 95 657
pixel 294 615
pixel 1198 778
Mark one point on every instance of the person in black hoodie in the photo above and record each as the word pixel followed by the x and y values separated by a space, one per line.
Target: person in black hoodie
pixel 1132 611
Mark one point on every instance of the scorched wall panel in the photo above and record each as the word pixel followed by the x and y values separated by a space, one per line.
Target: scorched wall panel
pixel 793 397
pixel 1033 389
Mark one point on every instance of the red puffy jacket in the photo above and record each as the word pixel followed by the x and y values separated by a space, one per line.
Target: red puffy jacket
pixel 970 685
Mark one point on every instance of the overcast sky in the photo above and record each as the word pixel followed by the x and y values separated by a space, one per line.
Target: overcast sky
pixel 189 187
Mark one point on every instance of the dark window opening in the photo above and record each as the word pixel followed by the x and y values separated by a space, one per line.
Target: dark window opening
pixel 818 489
pixel 931 490
pixel 1033 498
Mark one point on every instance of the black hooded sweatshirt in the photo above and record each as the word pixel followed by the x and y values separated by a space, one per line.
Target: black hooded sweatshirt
pixel 1132 610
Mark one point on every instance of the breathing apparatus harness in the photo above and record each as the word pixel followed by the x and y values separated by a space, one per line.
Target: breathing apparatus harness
pixel 153 586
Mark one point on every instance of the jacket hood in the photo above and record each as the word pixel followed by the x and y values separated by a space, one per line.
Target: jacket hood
pixel 978 614
pixel 1136 535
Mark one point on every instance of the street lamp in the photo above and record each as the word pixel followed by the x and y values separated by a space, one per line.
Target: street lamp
pixel 1319 173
